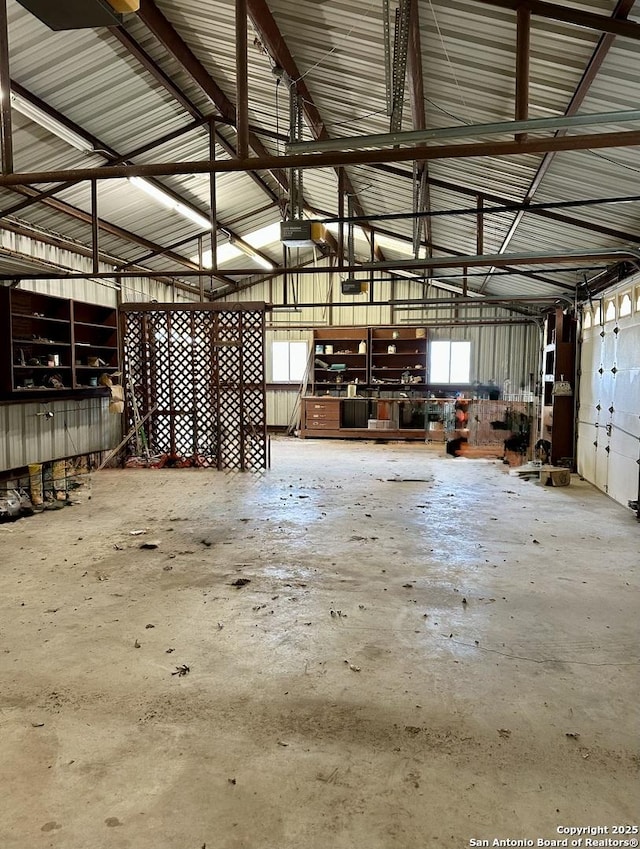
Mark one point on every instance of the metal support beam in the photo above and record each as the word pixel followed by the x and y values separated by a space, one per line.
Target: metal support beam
pixel 523 53
pixel 242 83
pixel 95 243
pixel 125 235
pixel 6 134
pixel 399 74
pixel 416 94
pixel 480 226
pixel 570 15
pixel 591 141
pixel 470 261
pixel 213 199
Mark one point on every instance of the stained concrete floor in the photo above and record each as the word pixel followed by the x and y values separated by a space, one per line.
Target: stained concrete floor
pixel 405 669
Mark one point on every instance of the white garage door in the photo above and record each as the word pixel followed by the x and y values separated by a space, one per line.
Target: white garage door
pixel 609 399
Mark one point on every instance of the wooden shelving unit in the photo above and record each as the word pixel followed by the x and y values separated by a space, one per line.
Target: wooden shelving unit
pixel 95 341
pixel 398 356
pixel 340 346
pixel 54 345
pixel 559 360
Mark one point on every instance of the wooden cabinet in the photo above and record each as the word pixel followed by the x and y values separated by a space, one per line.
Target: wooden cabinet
pixel 52 344
pixel 321 414
pixel 559 363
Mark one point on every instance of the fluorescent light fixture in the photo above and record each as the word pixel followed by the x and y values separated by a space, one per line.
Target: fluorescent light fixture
pixel 254 255
pixel 165 199
pixel 262 261
pixel 43 119
pixel 249 251
pixel 193 215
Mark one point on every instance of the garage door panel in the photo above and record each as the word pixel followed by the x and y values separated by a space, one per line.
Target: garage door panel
pixel 590 351
pixel 609 345
pixel 622 475
pixel 602 464
pixel 628 348
pixel 586 451
pixel 608 452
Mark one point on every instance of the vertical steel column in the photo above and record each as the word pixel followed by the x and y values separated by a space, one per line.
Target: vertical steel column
pixel 242 83
pixel 6 136
pixel 95 236
pixel 480 226
pixel 213 200
pixel 523 54
pixel 372 236
pixel 285 276
pixel 201 264
pixel 241 392
pixel 341 216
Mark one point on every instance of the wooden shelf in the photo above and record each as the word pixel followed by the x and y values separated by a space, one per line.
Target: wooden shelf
pixel 27 317
pixel 40 318
pixel 557 411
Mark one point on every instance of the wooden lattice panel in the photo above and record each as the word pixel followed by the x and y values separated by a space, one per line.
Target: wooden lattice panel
pixel 202 367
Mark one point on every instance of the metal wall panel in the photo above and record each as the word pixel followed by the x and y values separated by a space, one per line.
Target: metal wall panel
pixel 77 427
pixel 281 405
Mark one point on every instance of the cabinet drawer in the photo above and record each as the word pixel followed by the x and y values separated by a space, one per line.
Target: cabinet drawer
pixel 324 407
pixel 322 424
pixel 333 421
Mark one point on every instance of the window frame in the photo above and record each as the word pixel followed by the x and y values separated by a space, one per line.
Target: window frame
pixel 449 381
pixel 289 343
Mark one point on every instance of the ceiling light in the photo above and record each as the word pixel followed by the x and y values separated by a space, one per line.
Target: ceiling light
pixel 165 199
pixel 193 215
pixel 48 122
pixel 242 245
pixel 262 261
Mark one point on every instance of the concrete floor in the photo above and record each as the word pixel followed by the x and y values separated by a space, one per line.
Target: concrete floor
pixel 478 620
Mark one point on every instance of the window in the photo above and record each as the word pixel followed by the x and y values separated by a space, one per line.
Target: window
pixel 450 362
pixel 289 362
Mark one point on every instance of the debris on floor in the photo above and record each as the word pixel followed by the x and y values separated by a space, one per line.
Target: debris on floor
pixel 240 582
pixel 181 671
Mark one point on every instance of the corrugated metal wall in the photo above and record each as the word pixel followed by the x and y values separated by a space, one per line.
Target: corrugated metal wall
pixel 77 427
pixel 507 354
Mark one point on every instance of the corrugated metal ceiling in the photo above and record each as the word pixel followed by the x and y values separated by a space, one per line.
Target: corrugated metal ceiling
pixel 468 58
